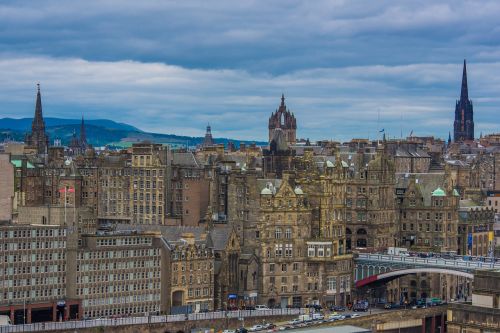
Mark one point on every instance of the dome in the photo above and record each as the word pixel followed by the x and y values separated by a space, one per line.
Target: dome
pixel 329 164
pixel 266 191
pixel 345 165
pixel 455 192
pixel 439 192
pixel 298 191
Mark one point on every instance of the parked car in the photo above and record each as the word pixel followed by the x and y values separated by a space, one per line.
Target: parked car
pixel 256 328
pixel 338 308
pixel 336 317
pixel 317 316
pixel 229 331
pixel 355 315
pixel 295 321
pixel 261 307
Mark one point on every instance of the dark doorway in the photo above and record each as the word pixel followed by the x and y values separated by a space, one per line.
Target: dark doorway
pixel 41 315
pixel 20 317
pixel 177 298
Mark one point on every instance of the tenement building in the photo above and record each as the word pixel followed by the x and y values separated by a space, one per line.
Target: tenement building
pixel 149 181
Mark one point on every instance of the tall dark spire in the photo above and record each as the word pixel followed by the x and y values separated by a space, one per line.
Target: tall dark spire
pixel 38 138
pixel 464 94
pixel 463 127
pixel 38 119
pixel 83 135
pixel 283 100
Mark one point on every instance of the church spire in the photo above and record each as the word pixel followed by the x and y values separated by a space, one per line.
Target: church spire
pixel 38 138
pixel 208 141
pixel 38 119
pixel 283 100
pixel 464 94
pixel 83 135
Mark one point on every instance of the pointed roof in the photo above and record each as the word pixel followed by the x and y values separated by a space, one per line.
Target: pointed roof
pixel 38 119
pixel 83 135
pixel 464 93
pixel 208 141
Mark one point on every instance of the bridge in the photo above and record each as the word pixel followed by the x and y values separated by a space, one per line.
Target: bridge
pixel 373 267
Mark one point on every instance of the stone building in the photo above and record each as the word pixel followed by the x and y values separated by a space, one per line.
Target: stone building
pixel 476 236
pixel 114 204
pixel 226 246
pixel 192 272
pixel 6 188
pixel 283 227
pixel 297 267
pixel 285 120
pixel 483 314
pixel 189 190
pixel 370 203
pixel 148 183
pixel 427 218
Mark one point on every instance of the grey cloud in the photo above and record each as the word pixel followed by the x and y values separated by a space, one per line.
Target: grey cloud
pixel 172 99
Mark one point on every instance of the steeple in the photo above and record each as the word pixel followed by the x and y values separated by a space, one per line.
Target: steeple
pixel 208 141
pixel 83 135
pixel 38 119
pixel 464 94
pixel 38 138
pixel 449 138
pixel 282 100
pixel 463 126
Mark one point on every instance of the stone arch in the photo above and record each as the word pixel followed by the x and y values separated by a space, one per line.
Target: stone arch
pixel 178 298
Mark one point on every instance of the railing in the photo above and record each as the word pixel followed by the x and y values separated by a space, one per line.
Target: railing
pixel 71 325
pixel 449 263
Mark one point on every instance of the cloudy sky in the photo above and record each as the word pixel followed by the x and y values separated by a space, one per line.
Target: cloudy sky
pixel 347 68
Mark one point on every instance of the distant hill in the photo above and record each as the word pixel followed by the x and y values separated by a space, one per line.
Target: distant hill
pixel 24 124
pixel 101 132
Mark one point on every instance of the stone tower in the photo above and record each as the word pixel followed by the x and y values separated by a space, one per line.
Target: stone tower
pixel 463 127
pixel 38 138
pixel 208 140
pixel 285 120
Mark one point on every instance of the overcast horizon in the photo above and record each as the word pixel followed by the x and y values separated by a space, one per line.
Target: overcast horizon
pixel 347 68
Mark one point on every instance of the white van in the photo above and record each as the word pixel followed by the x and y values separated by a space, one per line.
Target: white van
pixel 261 307
pixel 5 321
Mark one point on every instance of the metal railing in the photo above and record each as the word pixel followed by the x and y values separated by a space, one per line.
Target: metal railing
pixel 72 325
pixel 435 262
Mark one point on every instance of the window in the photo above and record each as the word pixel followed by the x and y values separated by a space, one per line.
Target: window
pixel 271 268
pixel 331 284
pixel 278 250
pixel 283 267
pixel 277 233
pixel 288 233
pixel 311 251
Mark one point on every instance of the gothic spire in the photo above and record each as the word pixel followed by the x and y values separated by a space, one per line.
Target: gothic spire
pixel 282 99
pixel 464 94
pixel 38 119
pixel 83 135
